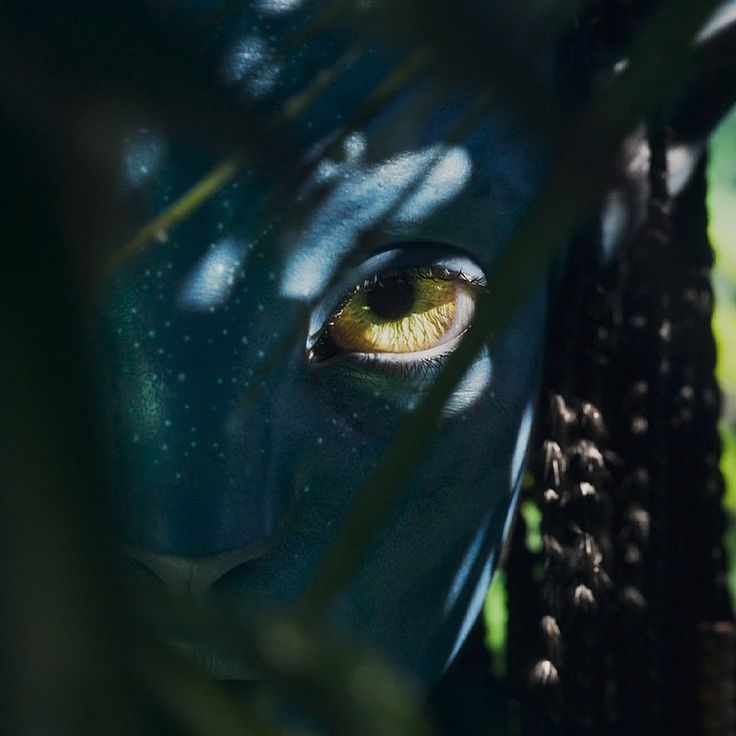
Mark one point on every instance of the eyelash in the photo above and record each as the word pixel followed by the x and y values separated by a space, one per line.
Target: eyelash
pixel 414 272
pixel 417 368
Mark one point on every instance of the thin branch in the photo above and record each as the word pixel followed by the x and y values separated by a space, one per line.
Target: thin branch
pixel 157 229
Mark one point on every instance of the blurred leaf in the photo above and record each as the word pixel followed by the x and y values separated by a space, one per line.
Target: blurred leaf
pixel 722 208
pixel 708 90
pixel 66 632
pixel 533 520
pixel 200 705
pixel 314 669
pixel 495 616
pixel 722 203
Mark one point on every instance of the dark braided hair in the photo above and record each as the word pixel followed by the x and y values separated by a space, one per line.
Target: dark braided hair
pixel 631 628
pixel 568 663
pixel 622 624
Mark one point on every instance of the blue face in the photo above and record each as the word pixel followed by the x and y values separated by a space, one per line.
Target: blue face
pixel 257 359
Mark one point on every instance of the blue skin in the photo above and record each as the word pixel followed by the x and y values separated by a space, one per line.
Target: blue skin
pixel 238 494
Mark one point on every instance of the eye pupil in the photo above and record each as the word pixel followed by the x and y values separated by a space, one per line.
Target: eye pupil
pixel 391 300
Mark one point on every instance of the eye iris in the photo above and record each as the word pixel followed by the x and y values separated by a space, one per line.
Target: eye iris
pixel 399 316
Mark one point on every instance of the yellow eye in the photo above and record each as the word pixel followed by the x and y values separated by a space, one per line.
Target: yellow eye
pixel 403 314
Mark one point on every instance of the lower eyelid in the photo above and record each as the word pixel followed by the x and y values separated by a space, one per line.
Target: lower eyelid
pixel 415 368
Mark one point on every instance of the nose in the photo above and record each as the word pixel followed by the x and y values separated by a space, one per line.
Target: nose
pixel 194 575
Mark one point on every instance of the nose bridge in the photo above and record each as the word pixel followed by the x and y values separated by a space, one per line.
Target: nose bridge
pixel 194 575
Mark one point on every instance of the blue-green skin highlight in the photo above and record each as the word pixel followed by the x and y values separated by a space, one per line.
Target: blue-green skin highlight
pixel 215 449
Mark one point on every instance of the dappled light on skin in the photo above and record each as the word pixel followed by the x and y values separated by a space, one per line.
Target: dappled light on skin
pixel 211 281
pixel 427 179
pixel 445 180
pixel 278 7
pixel 146 410
pixel 474 386
pixel 329 170
pixel 144 153
pixel 250 66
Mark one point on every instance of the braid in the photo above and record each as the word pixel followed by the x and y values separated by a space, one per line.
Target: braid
pixel 670 564
pixel 569 656
pixel 641 517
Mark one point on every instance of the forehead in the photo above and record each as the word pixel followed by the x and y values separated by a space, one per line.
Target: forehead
pixel 423 166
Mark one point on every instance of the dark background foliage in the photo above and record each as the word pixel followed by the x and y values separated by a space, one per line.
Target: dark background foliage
pixel 75 74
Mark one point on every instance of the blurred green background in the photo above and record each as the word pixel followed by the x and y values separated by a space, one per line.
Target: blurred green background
pixel 722 204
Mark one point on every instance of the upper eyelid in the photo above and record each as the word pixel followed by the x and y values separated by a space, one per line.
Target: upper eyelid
pixel 432 272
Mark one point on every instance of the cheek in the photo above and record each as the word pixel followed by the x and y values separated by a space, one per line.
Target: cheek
pixel 423 578
pixel 413 592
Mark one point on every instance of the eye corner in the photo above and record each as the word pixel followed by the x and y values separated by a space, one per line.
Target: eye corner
pixel 321 348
